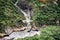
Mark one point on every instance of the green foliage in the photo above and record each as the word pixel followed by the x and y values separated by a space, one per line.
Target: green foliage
pixel 44 13
pixel 51 32
pixel 9 14
pixel 48 33
pixel 2 27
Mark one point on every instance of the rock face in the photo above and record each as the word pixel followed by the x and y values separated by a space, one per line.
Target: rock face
pixel 22 34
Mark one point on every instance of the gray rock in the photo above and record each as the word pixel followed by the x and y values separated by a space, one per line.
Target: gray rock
pixel 22 34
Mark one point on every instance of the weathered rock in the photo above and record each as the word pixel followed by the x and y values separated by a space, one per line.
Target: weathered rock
pixel 22 34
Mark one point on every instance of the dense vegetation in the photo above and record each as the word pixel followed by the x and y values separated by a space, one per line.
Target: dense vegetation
pixel 9 14
pixel 48 33
pixel 44 13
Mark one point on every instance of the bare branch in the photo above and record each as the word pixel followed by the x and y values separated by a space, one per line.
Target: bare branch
pixel 16 2
pixel 20 9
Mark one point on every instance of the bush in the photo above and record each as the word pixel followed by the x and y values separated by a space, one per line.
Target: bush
pixel 48 33
pixel 2 27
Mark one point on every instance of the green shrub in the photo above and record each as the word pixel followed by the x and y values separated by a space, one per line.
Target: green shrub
pixel 2 27
pixel 51 31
